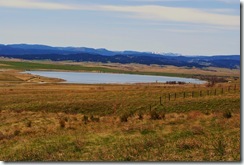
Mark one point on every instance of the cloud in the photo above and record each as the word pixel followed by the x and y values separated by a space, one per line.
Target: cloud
pixel 160 0
pixel 223 11
pixel 149 12
pixel 222 1
pixel 229 1
pixel 33 4
pixel 189 15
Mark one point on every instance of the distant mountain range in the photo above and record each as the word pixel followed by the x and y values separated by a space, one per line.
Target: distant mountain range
pixel 44 52
pixel 24 49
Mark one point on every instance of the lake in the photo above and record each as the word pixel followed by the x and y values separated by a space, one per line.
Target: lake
pixel 109 78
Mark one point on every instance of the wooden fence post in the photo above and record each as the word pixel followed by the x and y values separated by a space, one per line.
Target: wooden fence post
pixel 169 96
pixel 200 93
pixel 184 94
pixel 215 92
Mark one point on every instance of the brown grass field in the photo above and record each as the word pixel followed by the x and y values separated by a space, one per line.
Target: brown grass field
pixel 54 121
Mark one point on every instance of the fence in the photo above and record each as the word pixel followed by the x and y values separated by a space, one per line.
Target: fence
pixel 168 97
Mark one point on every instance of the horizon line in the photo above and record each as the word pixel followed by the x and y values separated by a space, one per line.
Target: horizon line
pixel 152 52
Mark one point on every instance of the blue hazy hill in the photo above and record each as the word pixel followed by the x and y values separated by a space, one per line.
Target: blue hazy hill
pixel 44 52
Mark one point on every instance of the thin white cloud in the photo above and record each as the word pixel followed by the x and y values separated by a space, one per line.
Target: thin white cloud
pixel 33 4
pixel 208 29
pixel 189 31
pixel 223 1
pixel 160 0
pixel 229 1
pixel 42 5
pixel 222 11
pixel 150 12
pixel 177 14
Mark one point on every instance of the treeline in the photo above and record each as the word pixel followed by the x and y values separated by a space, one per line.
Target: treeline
pixel 175 82
pixel 231 62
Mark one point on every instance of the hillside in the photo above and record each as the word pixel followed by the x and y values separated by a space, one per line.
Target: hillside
pixel 43 52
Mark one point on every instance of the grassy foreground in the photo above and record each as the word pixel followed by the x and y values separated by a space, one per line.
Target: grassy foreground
pixel 68 122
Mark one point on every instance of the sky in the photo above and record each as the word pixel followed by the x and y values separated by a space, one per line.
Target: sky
pixel 188 27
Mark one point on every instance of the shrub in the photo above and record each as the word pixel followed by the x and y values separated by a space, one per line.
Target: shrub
pixel 206 112
pixel 94 119
pixel 227 114
pixel 85 119
pixel 181 82
pixel 162 115
pixel 28 124
pixel 75 118
pixel 66 119
pixel 62 123
pixel 155 115
pixel 1 135
pixel 16 132
pixel 140 116
pixel 171 82
pixel 124 117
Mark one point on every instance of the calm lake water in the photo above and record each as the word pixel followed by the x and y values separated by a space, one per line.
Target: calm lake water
pixel 107 78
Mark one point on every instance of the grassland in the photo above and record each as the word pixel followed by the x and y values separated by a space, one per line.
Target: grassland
pixel 47 66
pixel 70 122
pixel 117 68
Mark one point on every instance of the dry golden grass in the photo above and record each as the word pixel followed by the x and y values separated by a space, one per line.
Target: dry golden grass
pixel 17 76
pixel 71 122
pixel 212 71
pixel 194 139
pixel 167 69
pixel 180 136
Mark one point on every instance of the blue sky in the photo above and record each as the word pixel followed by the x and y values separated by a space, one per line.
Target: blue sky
pixel 189 27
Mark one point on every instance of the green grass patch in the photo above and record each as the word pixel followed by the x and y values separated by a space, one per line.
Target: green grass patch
pixel 66 67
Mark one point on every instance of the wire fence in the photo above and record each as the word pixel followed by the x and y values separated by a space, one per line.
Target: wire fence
pixel 170 97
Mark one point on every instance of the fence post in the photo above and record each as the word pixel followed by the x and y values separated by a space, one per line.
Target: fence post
pixel 169 96
pixel 192 94
pixel 215 92
pixel 184 94
pixel 200 93
pixel 222 90
pixel 175 96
